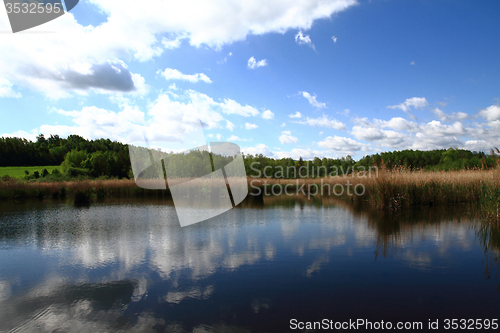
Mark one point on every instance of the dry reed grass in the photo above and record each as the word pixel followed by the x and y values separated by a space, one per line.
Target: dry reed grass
pixel 384 189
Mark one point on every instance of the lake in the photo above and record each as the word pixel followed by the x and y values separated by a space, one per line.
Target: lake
pixel 273 264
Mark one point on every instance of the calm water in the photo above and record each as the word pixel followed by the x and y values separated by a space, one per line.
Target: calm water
pixel 128 266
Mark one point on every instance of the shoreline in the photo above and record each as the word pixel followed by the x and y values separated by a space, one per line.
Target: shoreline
pixel 391 190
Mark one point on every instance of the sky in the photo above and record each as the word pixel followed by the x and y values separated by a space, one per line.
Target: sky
pixel 282 78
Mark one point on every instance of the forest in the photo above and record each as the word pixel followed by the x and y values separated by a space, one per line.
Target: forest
pixel 79 157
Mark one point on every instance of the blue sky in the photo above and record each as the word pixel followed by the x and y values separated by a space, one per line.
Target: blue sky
pixel 282 78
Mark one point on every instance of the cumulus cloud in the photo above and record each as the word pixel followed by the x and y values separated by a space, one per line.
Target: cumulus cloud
pixel 267 114
pixel 174 74
pixel 286 137
pixel 334 39
pixel 302 39
pixel 253 63
pixel 295 115
pixel 449 117
pixel 491 113
pixel 342 144
pixel 6 89
pixel 167 121
pixel 323 121
pixel 383 138
pixel 232 107
pixel 397 123
pixel 235 138
pixel 414 102
pixel 258 149
pixel 296 153
pixel 312 100
pixel 141 33
pixel 398 133
pixel 250 126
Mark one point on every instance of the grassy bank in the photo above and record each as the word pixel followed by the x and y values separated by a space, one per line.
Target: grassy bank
pixel 19 172
pixel 384 190
pixel 400 188
pixel 82 191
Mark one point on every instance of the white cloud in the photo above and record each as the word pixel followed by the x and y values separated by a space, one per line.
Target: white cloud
pixel 235 138
pixel 23 134
pixel 6 89
pixel 491 113
pixel 215 24
pixel 250 126
pixel 296 153
pixel 283 125
pixel 253 63
pixel 440 114
pixel 399 124
pixel 383 138
pixel 74 59
pixel 167 121
pixel 267 114
pixel 174 43
pixel 334 39
pixel 412 63
pixel 460 115
pixel 302 39
pixel 323 121
pixel 414 102
pixel 174 74
pixel 405 134
pixel 232 107
pixel 448 117
pixel 342 144
pixel 286 137
pixel 312 100
pixel 223 61
pixel 219 137
pixel 258 149
pixel 295 115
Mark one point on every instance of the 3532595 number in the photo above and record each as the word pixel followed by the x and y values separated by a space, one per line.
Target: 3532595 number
pixel 470 324
pixel 33 8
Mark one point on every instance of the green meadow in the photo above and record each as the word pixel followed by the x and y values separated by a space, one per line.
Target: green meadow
pixel 18 172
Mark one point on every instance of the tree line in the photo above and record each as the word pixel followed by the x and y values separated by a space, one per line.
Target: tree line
pixel 103 157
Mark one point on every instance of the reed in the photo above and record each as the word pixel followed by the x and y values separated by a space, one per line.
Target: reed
pixel 387 189
pixel 393 189
pixel 82 191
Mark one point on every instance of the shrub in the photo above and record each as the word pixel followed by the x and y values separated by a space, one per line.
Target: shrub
pixel 36 174
pixel 45 173
pixel 6 178
pixel 74 172
pixel 73 159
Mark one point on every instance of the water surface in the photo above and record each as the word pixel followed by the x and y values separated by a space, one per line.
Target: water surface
pixel 127 266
